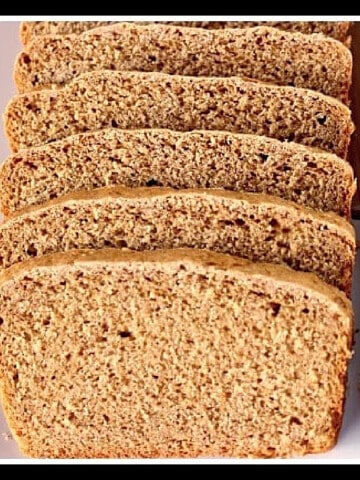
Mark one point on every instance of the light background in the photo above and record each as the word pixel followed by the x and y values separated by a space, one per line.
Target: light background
pixel 349 442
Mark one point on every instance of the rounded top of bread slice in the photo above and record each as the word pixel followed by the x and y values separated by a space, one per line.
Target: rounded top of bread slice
pixel 200 260
pixel 330 218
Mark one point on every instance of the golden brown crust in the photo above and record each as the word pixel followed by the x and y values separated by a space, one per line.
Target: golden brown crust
pixel 28 451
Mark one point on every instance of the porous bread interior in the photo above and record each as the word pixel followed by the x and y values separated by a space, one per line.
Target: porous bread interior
pixel 154 100
pixel 263 53
pixel 197 159
pixel 192 354
pixel 338 30
pixel 254 226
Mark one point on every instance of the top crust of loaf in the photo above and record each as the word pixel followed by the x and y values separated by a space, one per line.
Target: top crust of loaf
pixel 262 53
pixel 182 256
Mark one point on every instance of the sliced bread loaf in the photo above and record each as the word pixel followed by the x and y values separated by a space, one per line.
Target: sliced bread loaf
pixel 197 159
pixel 338 30
pixel 139 100
pixel 178 353
pixel 262 53
pixel 254 226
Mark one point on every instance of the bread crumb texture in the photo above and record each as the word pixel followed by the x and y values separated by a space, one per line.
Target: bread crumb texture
pixel 338 30
pixel 262 53
pixel 198 159
pixel 170 354
pixel 156 100
pixel 253 226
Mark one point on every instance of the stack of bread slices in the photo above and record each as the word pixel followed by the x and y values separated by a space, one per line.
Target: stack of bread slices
pixel 176 256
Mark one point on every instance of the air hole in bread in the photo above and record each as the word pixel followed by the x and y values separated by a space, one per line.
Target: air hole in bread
pixel 321 119
pixel 125 334
pixel 32 251
pixel 122 244
pixel 275 309
pixel 239 222
pixel 295 420
pixel 263 157
pixel 152 183
pixel 274 223
pixel 291 137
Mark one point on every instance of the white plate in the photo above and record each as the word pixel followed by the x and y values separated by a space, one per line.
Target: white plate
pixel 348 446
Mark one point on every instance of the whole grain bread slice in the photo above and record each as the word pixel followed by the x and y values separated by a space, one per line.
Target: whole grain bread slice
pixel 197 159
pixel 179 353
pixel 263 53
pixel 254 226
pixel 338 30
pixel 155 100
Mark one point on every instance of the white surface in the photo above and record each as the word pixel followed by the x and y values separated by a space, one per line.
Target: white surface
pixel 349 442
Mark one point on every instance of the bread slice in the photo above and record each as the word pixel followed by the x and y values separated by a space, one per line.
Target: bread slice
pixel 254 226
pixel 140 100
pixel 178 353
pixel 338 30
pixel 262 53
pixel 197 159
